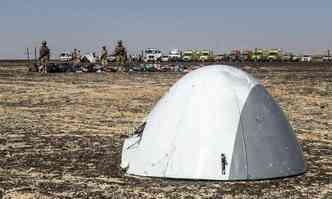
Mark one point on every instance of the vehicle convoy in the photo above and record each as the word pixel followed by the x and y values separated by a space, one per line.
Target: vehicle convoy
pixel 65 56
pixel 152 55
pixel 175 55
pixel 274 55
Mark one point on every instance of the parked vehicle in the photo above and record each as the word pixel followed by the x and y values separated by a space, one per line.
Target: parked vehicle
pixel 188 55
pixel 287 57
pixel 219 58
pixel 327 58
pixel 165 58
pixel 205 55
pixel 175 55
pixel 274 55
pixel 258 55
pixel 306 58
pixel 65 56
pixel 152 55
pixel 296 58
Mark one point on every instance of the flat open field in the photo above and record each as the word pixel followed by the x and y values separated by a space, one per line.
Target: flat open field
pixel 61 134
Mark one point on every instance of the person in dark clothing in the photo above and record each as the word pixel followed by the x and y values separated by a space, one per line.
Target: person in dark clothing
pixel 44 57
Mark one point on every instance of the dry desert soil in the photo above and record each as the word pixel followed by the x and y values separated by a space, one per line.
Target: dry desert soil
pixel 61 134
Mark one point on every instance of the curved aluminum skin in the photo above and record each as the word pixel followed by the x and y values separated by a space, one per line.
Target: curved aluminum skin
pixel 208 126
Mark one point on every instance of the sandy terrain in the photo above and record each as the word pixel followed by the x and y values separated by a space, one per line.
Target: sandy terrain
pixel 61 134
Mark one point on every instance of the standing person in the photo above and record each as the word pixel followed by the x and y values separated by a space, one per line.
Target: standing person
pixel 76 59
pixel 103 56
pixel 120 53
pixel 44 57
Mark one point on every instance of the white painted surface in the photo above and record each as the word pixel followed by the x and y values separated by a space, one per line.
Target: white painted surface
pixel 191 126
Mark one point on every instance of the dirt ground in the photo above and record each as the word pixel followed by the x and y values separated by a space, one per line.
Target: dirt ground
pixel 61 134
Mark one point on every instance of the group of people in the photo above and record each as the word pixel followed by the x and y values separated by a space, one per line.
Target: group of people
pixel 120 54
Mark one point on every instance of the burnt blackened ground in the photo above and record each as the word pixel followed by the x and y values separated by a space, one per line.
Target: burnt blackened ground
pixel 61 134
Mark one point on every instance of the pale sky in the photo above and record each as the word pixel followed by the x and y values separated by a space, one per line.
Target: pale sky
pixel 296 25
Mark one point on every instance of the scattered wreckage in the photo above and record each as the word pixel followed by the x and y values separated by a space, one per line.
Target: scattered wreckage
pixel 177 68
pixel 68 67
pixel 230 129
pixel 88 64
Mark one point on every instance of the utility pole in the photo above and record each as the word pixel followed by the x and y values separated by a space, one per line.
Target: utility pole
pixel 35 56
pixel 28 56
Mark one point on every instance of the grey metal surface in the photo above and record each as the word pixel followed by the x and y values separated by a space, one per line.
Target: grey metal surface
pixel 238 170
pixel 270 144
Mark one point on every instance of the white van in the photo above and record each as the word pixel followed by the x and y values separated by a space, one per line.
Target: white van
pixel 152 55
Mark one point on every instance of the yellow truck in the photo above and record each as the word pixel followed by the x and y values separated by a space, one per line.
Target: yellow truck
pixel 205 55
pixel 274 55
pixel 258 55
pixel 188 55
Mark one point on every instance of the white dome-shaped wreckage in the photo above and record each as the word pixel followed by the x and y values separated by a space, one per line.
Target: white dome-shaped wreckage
pixel 215 123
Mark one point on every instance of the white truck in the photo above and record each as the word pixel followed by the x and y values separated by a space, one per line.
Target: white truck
pixel 327 58
pixel 175 55
pixel 165 58
pixel 152 55
pixel 306 58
